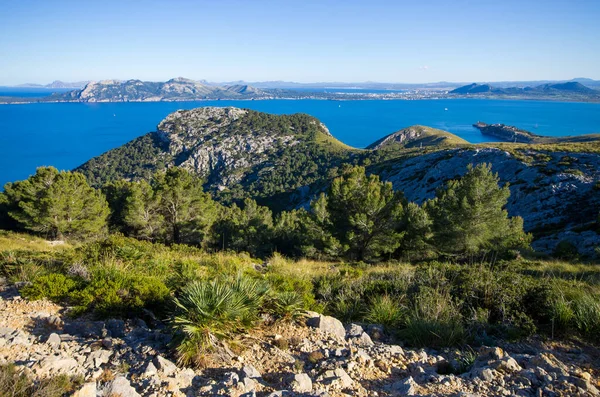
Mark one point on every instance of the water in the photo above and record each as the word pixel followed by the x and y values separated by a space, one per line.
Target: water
pixel 66 135
pixel 30 92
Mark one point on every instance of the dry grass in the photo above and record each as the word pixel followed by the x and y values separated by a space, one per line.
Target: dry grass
pixel 10 241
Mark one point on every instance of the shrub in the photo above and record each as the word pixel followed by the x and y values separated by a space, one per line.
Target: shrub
pixel 118 294
pixel 54 286
pixel 434 320
pixel 207 311
pixel 16 384
pixel 586 315
pixel 386 310
pixel 287 305
pixel 566 250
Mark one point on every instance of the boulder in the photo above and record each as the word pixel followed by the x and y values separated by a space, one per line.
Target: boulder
pixel 87 390
pixel 53 340
pixel 337 377
pixel 122 388
pixel 251 372
pixel 301 383
pixel 406 387
pixel 97 358
pixel 56 365
pixel 165 366
pixel 327 324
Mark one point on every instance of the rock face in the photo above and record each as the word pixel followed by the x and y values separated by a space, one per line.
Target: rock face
pixel 178 89
pixel 316 363
pixel 554 192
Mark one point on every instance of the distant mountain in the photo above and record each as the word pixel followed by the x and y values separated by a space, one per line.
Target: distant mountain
pixel 472 89
pixel 55 84
pixel 178 89
pixel 561 90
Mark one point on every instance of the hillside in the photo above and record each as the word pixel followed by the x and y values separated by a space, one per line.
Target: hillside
pixel 417 136
pixel 284 161
pixel 178 89
pixel 238 152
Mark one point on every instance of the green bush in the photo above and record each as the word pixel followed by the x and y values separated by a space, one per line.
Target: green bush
pixel 207 311
pixel 123 295
pixel 586 315
pixel 53 286
pixel 385 310
pixel 287 305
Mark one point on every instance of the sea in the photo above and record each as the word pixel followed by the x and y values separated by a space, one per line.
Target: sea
pixel 65 135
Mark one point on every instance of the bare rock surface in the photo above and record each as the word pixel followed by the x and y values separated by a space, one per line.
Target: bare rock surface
pixel 314 362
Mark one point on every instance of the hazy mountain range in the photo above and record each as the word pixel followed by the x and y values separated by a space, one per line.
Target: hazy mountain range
pixel 362 85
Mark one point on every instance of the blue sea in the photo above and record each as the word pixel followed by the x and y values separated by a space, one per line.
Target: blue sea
pixel 66 135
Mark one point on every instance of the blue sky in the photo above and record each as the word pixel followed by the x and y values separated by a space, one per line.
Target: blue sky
pixel 309 40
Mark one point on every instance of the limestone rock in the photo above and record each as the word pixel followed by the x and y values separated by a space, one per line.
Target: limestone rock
pixel 327 324
pixel 122 388
pixel 167 367
pixel 301 383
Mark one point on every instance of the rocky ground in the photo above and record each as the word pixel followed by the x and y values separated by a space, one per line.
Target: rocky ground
pixel 316 357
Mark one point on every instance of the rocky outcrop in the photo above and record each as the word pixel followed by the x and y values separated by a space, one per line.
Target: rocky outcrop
pixel 313 362
pixel 554 192
pixel 224 146
pixel 417 136
pixel 506 132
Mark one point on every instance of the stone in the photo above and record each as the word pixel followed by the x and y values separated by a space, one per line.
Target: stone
pixel 251 372
pixel 165 366
pixel 376 332
pixel 301 383
pixel 231 379
pixel 86 329
pixel 116 328
pixel 327 324
pixel 121 387
pixel 150 370
pixel 98 358
pixel 337 377
pixel 54 322
pixel 107 343
pixel 354 331
pixel 56 365
pixel 87 390
pixel 507 365
pixel 406 387
pixel 53 340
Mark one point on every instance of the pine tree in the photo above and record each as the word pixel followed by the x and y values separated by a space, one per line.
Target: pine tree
pixel 187 210
pixel 469 215
pixel 365 214
pixel 58 204
pixel 141 211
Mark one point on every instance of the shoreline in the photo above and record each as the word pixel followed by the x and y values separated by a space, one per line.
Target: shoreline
pixel 383 98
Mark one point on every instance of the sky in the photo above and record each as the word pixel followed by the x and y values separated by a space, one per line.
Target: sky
pixel 413 41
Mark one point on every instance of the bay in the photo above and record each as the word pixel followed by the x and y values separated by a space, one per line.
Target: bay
pixel 66 135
